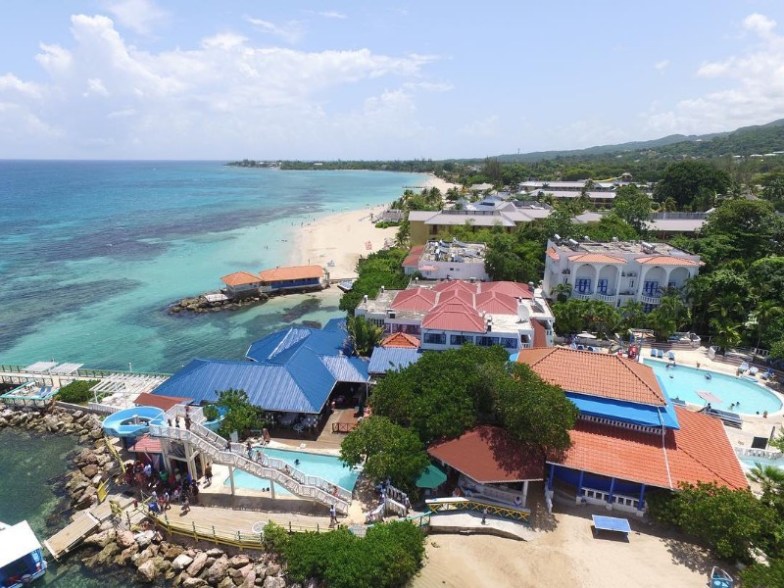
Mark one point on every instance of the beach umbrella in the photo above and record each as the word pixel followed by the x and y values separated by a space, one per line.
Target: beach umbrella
pixel 431 477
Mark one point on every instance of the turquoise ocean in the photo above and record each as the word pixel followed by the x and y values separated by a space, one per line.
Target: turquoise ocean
pixel 92 253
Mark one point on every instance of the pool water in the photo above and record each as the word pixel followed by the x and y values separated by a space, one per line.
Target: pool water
pixel 684 382
pixel 749 462
pixel 313 464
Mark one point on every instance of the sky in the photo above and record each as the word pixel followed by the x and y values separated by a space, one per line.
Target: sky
pixel 184 79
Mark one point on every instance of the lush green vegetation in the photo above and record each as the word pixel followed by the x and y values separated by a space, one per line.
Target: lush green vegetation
pixel 77 391
pixel 241 416
pixel 364 335
pixel 446 393
pixel 210 412
pixel 387 557
pixel 391 451
pixel 382 268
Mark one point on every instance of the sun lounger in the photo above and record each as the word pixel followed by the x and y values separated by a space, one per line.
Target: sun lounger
pixel 743 367
pixel 728 418
pixel 753 370
pixel 612 524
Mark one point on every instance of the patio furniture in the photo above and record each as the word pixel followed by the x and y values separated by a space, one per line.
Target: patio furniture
pixel 611 524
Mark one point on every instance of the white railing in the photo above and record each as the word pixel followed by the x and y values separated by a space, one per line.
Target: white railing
pixel 650 299
pixel 276 470
pixel 396 507
pixel 619 501
pixel 581 296
pixel 608 298
pixel 761 453
pixel 102 408
pixel 496 494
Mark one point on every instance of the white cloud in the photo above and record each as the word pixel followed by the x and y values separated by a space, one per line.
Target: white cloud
pixel 332 14
pixel 226 96
pixel 291 32
pixel 753 92
pixel 141 16
pixel 661 65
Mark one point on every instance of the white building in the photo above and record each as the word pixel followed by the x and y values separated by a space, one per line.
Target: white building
pixel 444 260
pixel 619 271
pixel 452 313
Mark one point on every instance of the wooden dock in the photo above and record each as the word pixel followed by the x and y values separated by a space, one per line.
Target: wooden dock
pixel 82 525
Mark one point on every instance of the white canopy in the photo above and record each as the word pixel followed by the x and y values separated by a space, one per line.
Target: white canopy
pixel 40 367
pixel 16 541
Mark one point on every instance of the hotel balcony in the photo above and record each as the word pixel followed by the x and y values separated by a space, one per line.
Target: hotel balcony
pixel 582 296
pixel 645 299
pixel 609 299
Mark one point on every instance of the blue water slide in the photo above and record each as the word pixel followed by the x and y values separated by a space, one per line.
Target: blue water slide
pixel 132 422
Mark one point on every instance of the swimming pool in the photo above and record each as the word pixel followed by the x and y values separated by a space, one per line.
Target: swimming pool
pixel 313 464
pixel 748 462
pixel 681 382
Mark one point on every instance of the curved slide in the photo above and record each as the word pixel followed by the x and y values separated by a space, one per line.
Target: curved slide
pixel 132 422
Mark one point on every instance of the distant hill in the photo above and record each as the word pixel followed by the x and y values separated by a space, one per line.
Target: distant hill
pixel 759 139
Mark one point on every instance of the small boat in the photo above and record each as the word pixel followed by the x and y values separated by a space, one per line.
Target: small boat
pixel 346 285
pixel 21 555
pixel 720 579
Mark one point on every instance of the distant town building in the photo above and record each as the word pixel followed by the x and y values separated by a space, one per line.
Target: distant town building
pixel 487 213
pixel 618 271
pixel 600 193
pixel 662 225
pixel 442 260
pixel 451 313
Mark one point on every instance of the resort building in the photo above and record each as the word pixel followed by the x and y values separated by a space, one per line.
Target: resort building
pixel 290 372
pixel 300 277
pixel 600 193
pixel 451 313
pixel 491 464
pixel 618 271
pixel 487 213
pixel 629 436
pixel 444 260
pixel 663 225
pixel 241 284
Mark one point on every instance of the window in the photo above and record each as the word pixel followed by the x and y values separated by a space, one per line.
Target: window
pixel 583 285
pixel 650 288
pixel 435 338
pixel 487 341
pixel 631 283
pixel 509 343
pixel 459 339
pixel 601 285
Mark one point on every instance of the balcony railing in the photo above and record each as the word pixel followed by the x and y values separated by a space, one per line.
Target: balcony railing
pixel 581 295
pixel 647 299
pixel 608 298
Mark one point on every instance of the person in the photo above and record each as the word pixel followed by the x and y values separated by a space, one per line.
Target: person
pixel 147 471
pixel 168 421
pixel 187 422
pixel 186 506
pixel 296 462
pixel 287 469
pixel 208 473
pixel 484 516
pixel 228 445
pixel 195 491
pixel 518 502
pixel 166 499
pixel 333 516
pixel 249 449
pixel 698 365
pixel 708 376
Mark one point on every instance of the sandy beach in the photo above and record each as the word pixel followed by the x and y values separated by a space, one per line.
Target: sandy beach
pixel 337 241
pixel 566 557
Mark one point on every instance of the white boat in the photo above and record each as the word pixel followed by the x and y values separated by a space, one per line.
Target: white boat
pixel 346 285
pixel 21 555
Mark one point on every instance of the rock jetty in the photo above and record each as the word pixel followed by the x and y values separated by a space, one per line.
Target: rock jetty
pixel 199 304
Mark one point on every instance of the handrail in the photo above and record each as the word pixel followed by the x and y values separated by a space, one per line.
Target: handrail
pixel 300 487
pixel 761 453
pixel 437 505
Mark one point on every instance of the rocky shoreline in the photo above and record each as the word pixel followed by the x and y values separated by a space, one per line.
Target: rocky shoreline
pixel 153 558
pixel 200 305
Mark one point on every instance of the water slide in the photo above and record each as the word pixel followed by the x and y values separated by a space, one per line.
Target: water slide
pixel 132 422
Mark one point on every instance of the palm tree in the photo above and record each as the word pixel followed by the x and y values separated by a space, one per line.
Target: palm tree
pixel 633 315
pixel 770 479
pixel 726 335
pixel 561 292
pixel 363 334
pixel 763 316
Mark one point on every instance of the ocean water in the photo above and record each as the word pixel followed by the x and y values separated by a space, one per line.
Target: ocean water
pixel 92 253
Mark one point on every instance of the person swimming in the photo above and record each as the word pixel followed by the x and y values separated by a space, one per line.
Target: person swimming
pixel 708 376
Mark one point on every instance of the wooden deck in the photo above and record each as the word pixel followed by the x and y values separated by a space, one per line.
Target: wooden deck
pixel 83 524
pixel 245 521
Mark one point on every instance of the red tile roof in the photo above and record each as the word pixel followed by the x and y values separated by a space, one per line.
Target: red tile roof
pixel 413 257
pixel 553 254
pixel 595 374
pixel 297 272
pixel 490 455
pixel 416 299
pixel 540 335
pixel 402 340
pixel 697 452
pixel 162 402
pixel 496 303
pixel 455 286
pixel 240 278
pixel 595 258
pixel 667 260
pixel 513 289
pixel 147 444
pixel 454 316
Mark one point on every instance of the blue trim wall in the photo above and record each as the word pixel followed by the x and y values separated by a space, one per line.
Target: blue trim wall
pixel 304 283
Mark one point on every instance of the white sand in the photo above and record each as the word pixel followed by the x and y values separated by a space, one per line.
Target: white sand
pixel 434 181
pixel 341 238
pixel 567 557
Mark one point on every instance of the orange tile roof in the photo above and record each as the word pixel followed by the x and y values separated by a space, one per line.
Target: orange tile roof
pixel 595 374
pixel 416 299
pixel 455 286
pixel 297 272
pixel 540 335
pixel 513 289
pixel 496 303
pixel 402 340
pixel 697 452
pixel 668 260
pixel 595 258
pixel 240 278
pixel 490 455
pixel 553 254
pixel 158 401
pixel 454 316
pixel 146 444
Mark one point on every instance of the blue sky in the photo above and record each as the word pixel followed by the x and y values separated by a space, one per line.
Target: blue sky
pixel 178 79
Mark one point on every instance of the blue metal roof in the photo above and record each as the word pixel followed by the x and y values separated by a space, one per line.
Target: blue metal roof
pixel 385 359
pixel 630 412
pixel 293 370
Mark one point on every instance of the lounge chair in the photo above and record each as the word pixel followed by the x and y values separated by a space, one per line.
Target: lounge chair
pixel 732 419
pixel 753 370
pixel 743 367
pixel 653 352
pixel 660 354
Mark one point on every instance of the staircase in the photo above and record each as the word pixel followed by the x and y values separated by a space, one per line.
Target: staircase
pixel 276 470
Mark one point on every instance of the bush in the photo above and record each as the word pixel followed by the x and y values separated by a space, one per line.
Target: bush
pixel 210 412
pixel 388 557
pixel 77 392
pixel 276 538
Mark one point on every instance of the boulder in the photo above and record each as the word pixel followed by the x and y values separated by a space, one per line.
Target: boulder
pixel 193 583
pixel 274 582
pixel 171 551
pixel 87 497
pixel 217 570
pixel 250 580
pixel 226 583
pixel 126 555
pixel 239 561
pixel 273 569
pixel 181 562
pixel 125 539
pixel 86 456
pixel 147 571
pixel 90 470
pixel 101 539
pixel 107 553
pixel 198 564
pixel 78 414
pixel 215 552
